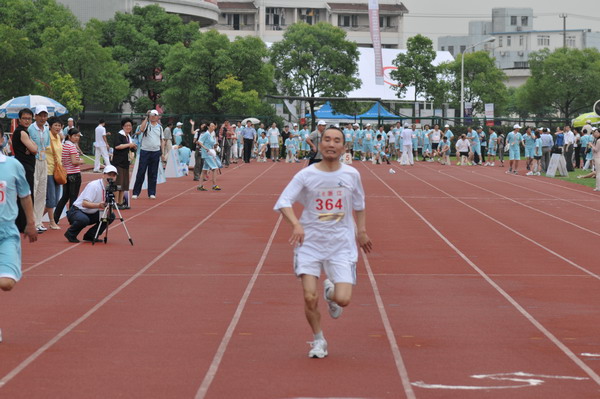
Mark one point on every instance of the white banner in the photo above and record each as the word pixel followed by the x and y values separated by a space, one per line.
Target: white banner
pixel 489 111
pixel 376 39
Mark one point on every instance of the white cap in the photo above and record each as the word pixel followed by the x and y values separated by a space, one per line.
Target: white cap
pixel 368 124
pixel 70 120
pixel 516 126
pixel 110 168
pixel 356 124
pixel 541 129
pixel 41 108
pixel 179 124
pixel 322 122
pixel 337 125
pixel 295 124
pixel 153 112
pixel 446 125
pixel 406 125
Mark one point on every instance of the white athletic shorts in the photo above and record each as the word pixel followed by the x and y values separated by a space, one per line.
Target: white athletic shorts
pixel 338 271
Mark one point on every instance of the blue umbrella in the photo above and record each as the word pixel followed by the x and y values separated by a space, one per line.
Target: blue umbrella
pixel 11 108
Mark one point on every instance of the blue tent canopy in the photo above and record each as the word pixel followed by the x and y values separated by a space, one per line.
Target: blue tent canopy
pixel 377 111
pixel 327 112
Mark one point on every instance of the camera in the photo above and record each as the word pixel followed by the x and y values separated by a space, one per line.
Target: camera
pixel 110 189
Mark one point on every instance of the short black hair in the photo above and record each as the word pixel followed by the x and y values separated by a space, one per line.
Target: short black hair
pixel 100 121
pixel 333 127
pixel 25 111
pixel 125 120
pixel 54 119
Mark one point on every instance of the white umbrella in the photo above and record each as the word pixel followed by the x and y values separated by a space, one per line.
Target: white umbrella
pixel 11 108
pixel 253 120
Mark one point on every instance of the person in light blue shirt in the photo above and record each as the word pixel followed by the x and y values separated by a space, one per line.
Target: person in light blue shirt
pixel 368 140
pixel 473 137
pixel 358 147
pixel 537 155
pixel 492 147
pixel 348 137
pixel 40 134
pixel 304 147
pixel 263 142
pixel 379 150
pixel 426 144
pixel 184 154
pixel 529 140
pixel 514 140
pixel 290 148
pixel 211 163
pixel 13 184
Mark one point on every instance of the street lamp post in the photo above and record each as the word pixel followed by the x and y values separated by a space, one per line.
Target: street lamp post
pixel 462 76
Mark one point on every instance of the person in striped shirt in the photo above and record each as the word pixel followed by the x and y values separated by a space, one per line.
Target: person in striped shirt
pixel 71 163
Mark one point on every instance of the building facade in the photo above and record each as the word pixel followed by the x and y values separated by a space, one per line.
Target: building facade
pixel 515 39
pixel 205 12
pixel 268 19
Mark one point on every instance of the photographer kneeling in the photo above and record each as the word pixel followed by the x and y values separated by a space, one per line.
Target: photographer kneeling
pixel 87 207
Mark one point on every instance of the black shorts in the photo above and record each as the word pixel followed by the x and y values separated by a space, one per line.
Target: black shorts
pixel 537 157
pixel 464 153
pixel 434 146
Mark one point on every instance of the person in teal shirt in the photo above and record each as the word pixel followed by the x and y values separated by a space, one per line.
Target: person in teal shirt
pixel 379 150
pixel 290 148
pixel 529 140
pixel 13 185
pixel 514 140
pixel 473 137
pixel 263 141
pixel 492 148
pixel 426 152
pixel 537 155
pixel 358 147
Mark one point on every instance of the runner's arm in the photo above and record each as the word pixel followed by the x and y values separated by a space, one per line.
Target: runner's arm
pixel 361 231
pixel 297 237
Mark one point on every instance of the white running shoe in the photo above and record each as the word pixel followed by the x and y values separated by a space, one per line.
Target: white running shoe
pixel 335 310
pixel 492 164
pixel 134 197
pixel 538 174
pixel 530 173
pixel 153 197
pixel 318 349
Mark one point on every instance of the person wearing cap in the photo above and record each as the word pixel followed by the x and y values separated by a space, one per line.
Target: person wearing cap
pixel 537 155
pixel 178 133
pixel 368 141
pixel 152 148
pixel 304 147
pixel 86 208
pixel 70 125
pixel 514 141
pixel 100 146
pixel 313 141
pixel 13 185
pixel 356 140
pixel 407 150
pixel 71 162
pixel 40 135
pixel 448 133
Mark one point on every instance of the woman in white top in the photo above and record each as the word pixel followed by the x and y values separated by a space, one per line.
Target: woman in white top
pixel 463 147
pixel 596 152
pixel 273 134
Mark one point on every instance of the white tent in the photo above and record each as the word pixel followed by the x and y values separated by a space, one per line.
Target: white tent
pixel 366 71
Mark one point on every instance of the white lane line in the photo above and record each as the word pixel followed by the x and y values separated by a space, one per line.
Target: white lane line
pixel 519 377
pixel 14 372
pixel 591 354
pixel 559 256
pixel 72 246
pixel 509 298
pixel 573 201
pixel 214 366
pixel 389 332
pixel 521 204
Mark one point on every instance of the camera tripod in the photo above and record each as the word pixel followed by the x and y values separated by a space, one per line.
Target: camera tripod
pixel 107 214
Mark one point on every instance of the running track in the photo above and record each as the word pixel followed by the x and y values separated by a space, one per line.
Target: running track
pixel 481 285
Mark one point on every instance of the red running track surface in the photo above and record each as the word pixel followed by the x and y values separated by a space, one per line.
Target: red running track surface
pixel 480 285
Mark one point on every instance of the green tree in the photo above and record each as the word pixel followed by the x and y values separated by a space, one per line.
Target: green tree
pixel 564 81
pixel 415 68
pixel 76 52
pixel 234 100
pixel 65 90
pixel 483 83
pixel 141 41
pixel 19 63
pixel 315 60
pixel 193 73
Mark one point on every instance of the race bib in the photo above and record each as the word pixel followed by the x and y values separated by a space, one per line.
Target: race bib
pixel 368 136
pixel 42 155
pixel 2 192
pixel 329 204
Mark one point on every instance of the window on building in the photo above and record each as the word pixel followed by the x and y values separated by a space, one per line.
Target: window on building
pixel 524 21
pixel 513 20
pixel 521 39
pixel 310 15
pixel 273 16
pixel 347 21
pixel 543 40
pixel 443 48
pixel 462 49
pixel 571 41
pixel 451 49
pixel 521 64
pixel 508 41
pixel 385 22
pixel 499 41
pixel 237 20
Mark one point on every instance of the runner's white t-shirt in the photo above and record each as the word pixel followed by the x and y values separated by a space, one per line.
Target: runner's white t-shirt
pixel 328 198
pixel 100 132
pixel 391 137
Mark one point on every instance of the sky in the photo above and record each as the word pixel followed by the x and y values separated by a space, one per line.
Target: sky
pixel 434 18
